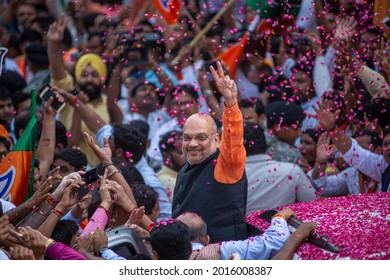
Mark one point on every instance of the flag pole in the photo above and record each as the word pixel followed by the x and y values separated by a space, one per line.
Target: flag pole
pixel 205 29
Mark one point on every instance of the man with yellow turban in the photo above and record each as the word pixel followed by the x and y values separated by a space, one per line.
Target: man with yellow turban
pixel 90 76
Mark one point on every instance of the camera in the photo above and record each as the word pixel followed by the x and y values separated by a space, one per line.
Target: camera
pixel 137 45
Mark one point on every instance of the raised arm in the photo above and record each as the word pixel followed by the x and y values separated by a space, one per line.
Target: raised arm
pixel 113 90
pixel 55 35
pixel 91 119
pixel 47 142
pixel 231 162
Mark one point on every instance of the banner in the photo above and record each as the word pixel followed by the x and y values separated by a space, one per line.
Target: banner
pixel 17 168
pixel 169 9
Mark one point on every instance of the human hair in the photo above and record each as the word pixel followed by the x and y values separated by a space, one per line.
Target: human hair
pixel 145 196
pixel 254 139
pixel 75 158
pixel 379 109
pixel 252 103
pixel 129 172
pixel 187 88
pixel 5 94
pixel 30 35
pixel 386 130
pixel 64 231
pixel 168 141
pixel 171 239
pixel 21 122
pixel 314 133
pixel 61 134
pixel 89 20
pixel 5 142
pixel 131 140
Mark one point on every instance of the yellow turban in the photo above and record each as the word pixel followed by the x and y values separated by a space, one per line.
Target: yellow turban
pixel 90 59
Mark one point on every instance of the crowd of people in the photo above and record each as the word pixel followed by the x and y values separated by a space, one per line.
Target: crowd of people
pixel 162 133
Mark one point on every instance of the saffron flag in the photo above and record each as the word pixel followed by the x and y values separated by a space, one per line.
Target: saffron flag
pixel 232 55
pixel 17 168
pixel 169 9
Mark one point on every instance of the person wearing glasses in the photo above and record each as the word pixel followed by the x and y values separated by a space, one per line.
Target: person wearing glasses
pixel 213 183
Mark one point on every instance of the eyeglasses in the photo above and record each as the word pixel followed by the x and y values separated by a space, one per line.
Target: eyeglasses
pixel 200 137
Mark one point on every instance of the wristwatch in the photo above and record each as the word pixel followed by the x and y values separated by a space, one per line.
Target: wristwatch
pixel 101 251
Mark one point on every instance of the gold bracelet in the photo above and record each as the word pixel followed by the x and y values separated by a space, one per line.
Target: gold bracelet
pixel 49 242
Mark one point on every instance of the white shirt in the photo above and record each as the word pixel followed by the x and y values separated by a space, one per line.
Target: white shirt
pixel 155 120
pixel 343 183
pixel 260 247
pixel 272 183
pixel 371 164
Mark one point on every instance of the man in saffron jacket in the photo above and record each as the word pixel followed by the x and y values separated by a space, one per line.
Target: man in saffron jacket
pixel 213 183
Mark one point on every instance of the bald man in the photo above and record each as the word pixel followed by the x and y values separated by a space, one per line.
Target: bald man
pixel 213 183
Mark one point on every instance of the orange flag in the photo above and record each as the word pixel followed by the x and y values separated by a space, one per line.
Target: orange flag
pixel 231 57
pixel 17 168
pixel 169 9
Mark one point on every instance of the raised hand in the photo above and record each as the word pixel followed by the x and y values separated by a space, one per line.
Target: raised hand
pixel 42 192
pixel 324 150
pixel 326 118
pixel 55 33
pixel 135 216
pixel 345 29
pixel 103 154
pixel 226 86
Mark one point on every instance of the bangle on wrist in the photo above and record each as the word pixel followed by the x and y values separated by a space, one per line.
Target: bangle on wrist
pixel 57 212
pixel 107 165
pixel 105 210
pixel 74 99
pixel 51 200
pixel 321 163
pixel 112 173
pixel 49 242
pixel 151 226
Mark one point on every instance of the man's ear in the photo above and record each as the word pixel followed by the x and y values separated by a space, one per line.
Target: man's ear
pixel 155 256
pixel 205 240
pixel 217 139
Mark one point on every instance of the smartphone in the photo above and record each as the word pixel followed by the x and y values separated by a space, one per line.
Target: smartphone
pixel 45 93
pixel 89 177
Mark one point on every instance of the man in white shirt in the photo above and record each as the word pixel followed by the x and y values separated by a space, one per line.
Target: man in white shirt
pixel 271 183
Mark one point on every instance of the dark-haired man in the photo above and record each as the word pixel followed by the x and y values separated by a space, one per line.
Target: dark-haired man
pixel 271 183
pixel 373 165
pixel 284 121
pixel 70 160
pixel 170 146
